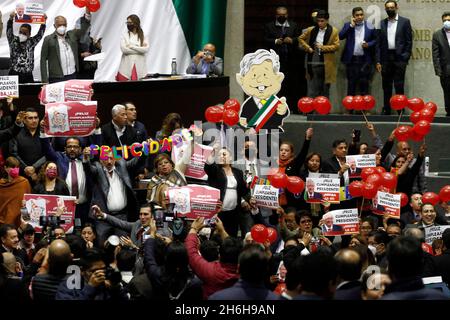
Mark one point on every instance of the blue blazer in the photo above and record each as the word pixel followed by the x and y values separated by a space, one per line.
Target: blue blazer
pixel 348 33
pixel 403 41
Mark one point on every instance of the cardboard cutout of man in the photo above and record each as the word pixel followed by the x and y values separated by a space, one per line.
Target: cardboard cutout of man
pixel 261 79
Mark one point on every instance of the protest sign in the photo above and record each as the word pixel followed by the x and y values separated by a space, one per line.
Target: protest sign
pixel 72 90
pixel 358 162
pixel 9 87
pixel 38 205
pixel 30 11
pixel 194 201
pixel 69 119
pixel 434 232
pixel 195 167
pixel 322 188
pixel 266 196
pixel 340 222
pixel 386 203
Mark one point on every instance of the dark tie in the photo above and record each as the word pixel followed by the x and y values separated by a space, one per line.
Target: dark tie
pixel 73 174
pixel 140 233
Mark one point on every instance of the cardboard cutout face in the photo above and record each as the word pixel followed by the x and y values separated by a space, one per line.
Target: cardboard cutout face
pixel 261 80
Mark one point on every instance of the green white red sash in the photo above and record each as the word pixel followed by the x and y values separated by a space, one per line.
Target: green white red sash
pixel 264 114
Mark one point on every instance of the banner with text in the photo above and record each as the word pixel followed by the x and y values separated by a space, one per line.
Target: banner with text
pixel 266 196
pixel 386 203
pixel 358 162
pixel 322 188
pixel 434 232
pixel 9 87
pixel 38 205
pixel 30 11
pixel 194 201
pixel 340 222
pixel 195 168
pixel 71 90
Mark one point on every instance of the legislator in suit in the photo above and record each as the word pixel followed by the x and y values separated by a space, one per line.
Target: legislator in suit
pixel 394 48
pixel 441 58
pixel 206 62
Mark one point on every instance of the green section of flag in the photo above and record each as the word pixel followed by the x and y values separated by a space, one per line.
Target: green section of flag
pixel 203 21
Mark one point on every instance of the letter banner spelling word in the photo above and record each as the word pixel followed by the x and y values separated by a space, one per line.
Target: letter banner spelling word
pixel 358 162
pixel 434 232
pixel 195 167
pixel 69 119
pixel 340 222
pixel 9 87
pixel 322 188
pixel 194 201
pixel 71 90
pixel 386 203
pixel 266 196
pixel 39 205
pixel 30 11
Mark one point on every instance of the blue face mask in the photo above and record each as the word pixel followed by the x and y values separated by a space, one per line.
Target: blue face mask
pixel 447 25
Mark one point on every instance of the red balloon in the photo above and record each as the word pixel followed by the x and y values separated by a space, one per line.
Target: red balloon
pixel 93 5
pixel 431 105
pixel 295 184
pixel 375 179
pixel 426 114
pixel 214 114
pixel 305 105
pixel 389 180
pixel 366 172
pixel 403 199
pixel 79 3
pixel 230 117
pixel 369 190
pixel 259 233
pixel 358 103
pixel 430 197
pixel 427 248
pixel 399 102
pixel 272 235
pixel 444 194
pixel 278 180
pixel 347 102
pixel 322 105
pixel 414 136
pixel 232 104
pixel 415 117
pixel 380 170
pixel 402 133
pixel 422 127
pixel 416 104
pixel 369 102
pixel 355 189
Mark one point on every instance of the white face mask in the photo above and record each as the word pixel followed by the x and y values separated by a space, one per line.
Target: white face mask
pixel 447 25
pixel 61 30
pixel 22 38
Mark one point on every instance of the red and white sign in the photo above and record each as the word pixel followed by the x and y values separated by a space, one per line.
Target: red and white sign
pixel 358 162
pixel 38 205
pixel 322 188
pixel 71 90
pixel 194 201
pixel 340 222
pixel 386 203
pixel 195 167
pixel 9 87
pixel 69 119
pixel 30 11
pixel 266 196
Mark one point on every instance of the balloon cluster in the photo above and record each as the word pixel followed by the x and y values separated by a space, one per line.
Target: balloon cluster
pixel 422 116
pixel 320 104
pixel 260 233
pixel 359 103
pixel 92 5
pixel 229 113
pixel 281 180
pixel 433 198
pixel 373 179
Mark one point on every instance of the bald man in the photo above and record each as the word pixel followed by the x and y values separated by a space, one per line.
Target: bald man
pixel 12 267
pixel 349 268
pixel 206 62
pixel 45 285
pixel 59 54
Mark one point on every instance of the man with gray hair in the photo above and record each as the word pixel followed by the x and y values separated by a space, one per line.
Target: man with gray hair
pixel 118 132
pixel 261 79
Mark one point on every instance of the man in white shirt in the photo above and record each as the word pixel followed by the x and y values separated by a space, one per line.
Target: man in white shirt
pixel 393 52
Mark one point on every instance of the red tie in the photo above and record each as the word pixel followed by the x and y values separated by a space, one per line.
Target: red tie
pixel 140 233
pixel 73 174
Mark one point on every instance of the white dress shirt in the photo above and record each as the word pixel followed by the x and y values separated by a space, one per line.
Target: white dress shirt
pixel 320 36
pixel 81 177
pixel 359 39
pixel 119 131
pixel 230 198
pixel 391 30
pixel 117 198
pixel 67 56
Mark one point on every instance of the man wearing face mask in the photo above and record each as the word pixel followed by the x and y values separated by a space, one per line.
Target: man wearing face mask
pixel 281 35
pixel 21 49
pixel 60 51
pixel 393 52
pixel 358 53
pixel 441 57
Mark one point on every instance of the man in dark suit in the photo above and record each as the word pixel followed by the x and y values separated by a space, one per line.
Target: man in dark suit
pixel 138 126
pixel 393 52
pixel 281 35
pixel 441 58
pixel 337 164
pixel 118 132
pixel 359 51
pixel 349 268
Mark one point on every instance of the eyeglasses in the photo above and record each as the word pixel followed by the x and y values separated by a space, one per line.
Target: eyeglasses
pixel 306 221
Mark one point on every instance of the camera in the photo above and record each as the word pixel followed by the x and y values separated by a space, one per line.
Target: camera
pixel 208 53
pixel 49 224
pixel 113 275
